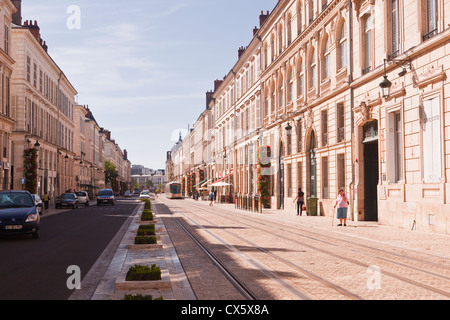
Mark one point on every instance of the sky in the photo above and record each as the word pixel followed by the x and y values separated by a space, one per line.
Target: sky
pixel 144 66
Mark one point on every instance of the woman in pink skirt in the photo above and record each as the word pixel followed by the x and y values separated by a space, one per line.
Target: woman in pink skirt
pixel 342 204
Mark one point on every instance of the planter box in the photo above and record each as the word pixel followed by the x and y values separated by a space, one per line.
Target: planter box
pixel 123 285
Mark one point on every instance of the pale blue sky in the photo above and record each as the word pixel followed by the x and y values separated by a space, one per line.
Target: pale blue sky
pixel 144 66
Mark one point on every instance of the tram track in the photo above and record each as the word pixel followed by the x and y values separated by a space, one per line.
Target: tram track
pixel 332 242
pixel 297 292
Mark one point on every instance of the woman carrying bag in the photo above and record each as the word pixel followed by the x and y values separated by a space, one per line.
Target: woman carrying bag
pixel 342 204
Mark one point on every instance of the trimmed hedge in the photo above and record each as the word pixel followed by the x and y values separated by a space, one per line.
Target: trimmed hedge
pixel 146 230
pixel 147 215
pixel 143 273
pixel 145 240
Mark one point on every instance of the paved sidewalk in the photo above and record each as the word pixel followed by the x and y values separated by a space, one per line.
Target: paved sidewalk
pixel 426 242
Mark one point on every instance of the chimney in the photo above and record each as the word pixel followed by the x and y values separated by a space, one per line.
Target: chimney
pixel 262 18
pixel 241 51
pixel 34 29
pixel 217 84
pixel 255 30
pixel 125 154
pixel 209 98
pixel 107 134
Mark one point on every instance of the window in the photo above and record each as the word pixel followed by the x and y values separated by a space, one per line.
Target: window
pixel 325 193
pixel 299 136
pixel 290 93
pixel 35 75
pixel 326 58
pixel 394 29
pixel 324 119
pixel 367 50
pixel 395 147
pixel 6 39
pixel 310 11
pixel 281 93
pixel 300 81
pixel 313 69
pixel 289 180
pixel 432 154
pixel 342 47
pixel 299 175
pixel 289 30
pixel 341 171
pixel 299 18
pixel 430 19
pixel 340 123
pixel 28 69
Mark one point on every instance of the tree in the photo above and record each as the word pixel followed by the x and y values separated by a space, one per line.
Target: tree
pixel 111 174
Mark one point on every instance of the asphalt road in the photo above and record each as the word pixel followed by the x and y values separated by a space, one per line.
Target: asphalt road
pixel 38 269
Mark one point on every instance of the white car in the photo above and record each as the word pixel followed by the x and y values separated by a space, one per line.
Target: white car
pixel 144 195
pixel 83 197
pixel 38 202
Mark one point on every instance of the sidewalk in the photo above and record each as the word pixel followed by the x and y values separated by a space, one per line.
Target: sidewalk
pixel 425 242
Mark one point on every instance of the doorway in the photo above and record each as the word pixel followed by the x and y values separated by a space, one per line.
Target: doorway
pixel 371 171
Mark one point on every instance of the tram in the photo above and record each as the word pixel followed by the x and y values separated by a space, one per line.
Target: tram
pixel 173 190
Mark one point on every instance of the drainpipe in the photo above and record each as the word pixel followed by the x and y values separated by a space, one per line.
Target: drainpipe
pixel 350 80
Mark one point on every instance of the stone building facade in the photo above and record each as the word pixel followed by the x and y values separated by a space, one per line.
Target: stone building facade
pixel 313 82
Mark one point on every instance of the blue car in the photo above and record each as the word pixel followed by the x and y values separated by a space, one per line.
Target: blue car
pixel 18 214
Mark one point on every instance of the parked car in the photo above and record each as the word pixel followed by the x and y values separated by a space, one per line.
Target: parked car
pixel 127 194
pixel 105 196
pixel 18 213
pixel 38 202
pixel 144 195
pixel 83 197
pixel 67 200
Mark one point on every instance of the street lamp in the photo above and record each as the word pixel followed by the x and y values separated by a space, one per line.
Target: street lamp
pixel 385 84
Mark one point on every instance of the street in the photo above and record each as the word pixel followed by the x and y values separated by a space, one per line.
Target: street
pixel 38 269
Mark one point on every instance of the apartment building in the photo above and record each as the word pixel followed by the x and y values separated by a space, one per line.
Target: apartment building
pixel 7 116
pixel 48 143
pixel 44 101
pixel 351 94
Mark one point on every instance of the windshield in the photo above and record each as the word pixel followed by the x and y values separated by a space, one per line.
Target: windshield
pixel 81 194
pixel 69 196
pixel 105 193
pixel 16 200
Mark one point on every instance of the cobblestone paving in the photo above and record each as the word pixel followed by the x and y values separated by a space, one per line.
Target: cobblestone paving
pixel 283 256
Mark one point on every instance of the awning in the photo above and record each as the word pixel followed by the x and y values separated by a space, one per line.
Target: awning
pixel 215 182
pixel 205 183
pixel 220 184
pixel 199 183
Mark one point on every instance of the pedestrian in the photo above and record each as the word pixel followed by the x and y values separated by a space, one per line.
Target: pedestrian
pixel 196 195
pixel 46 199
pixel 211 198
pixel 342 205
pixel 300 201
